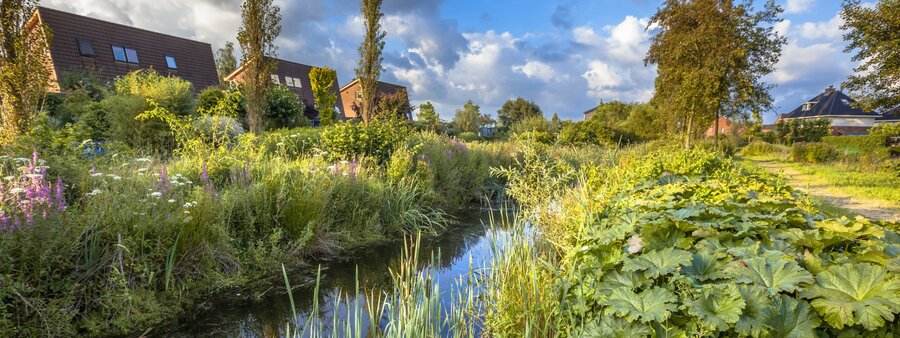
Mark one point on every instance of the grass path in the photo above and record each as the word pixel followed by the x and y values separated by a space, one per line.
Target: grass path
pixel 830 193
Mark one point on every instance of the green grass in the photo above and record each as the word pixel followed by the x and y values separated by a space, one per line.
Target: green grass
pixel 854 180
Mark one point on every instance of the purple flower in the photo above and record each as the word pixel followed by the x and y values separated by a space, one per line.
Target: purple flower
pixel 204 176
pixel 60 198
pixel 164 183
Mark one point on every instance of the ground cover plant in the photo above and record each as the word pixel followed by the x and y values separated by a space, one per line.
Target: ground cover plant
pixel 692 244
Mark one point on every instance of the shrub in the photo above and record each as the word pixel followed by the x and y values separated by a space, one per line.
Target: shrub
pixel 535 136
pixel 122 111
pixel 209 98
pixel 284 109
pixel 377 139
pixel 587 132
pixel 806 130
pixel 468 136
pixel 812 152
pixel 170 92
pixel 291 143
pixel 867 147
pixel 758 148
pixel 218 129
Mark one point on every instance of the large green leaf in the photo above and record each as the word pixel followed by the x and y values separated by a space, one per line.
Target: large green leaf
pixel 757 306
pixel 774 272
pixel 706 266
pixel 655 304
pixel 852 294
pixel 608 326
pixel 718 305
pixel 791 318
pixel 659 262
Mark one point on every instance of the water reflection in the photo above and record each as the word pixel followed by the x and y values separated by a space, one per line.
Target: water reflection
pixel 465 245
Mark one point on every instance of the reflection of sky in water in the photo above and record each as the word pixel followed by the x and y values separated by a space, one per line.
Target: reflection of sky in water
pixel 464 245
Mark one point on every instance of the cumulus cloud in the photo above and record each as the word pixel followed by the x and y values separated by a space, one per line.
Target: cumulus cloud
pixel 536 69
pixel 562 17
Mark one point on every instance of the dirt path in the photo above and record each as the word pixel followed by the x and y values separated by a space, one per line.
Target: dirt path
pixel 870 208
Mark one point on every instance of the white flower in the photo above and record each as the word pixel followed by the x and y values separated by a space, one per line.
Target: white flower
pixel 295 136
pixel 280 144
pixel 142 170
pixel 16 191
pixel 635 244
pixel 9 178
pixel 344 162
pixel 95 192
pixel 117 178
pixel 156 194
pixel 143 159
pixel 97 175
pixel 171 201
pixel 33 176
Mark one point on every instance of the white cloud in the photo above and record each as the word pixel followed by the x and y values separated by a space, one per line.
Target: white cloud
pixel 536 69
pixel 830 30
pixel 798 6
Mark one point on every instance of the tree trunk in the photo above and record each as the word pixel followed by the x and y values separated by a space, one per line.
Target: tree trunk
pixel 687 131
pixel 717 130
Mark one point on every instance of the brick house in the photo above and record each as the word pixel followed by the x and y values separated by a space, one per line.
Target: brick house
pixel 726 127
pixel 351 96
pixel 834 105
pixel 296 77
pixel 110 50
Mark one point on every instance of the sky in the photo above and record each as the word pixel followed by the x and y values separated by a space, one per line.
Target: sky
pixel 567 56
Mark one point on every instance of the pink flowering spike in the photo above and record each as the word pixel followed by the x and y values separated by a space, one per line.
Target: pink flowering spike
pixel 34 158
pixel 204 176
pixel 60 198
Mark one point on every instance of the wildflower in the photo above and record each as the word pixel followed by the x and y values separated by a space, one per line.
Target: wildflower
pixel 143 159
pixel 117 178
pixel 204 176
pixel 95 192
pixel 295 136
pixel 96 174
pixel 34 176
pixel 156 194
pixel 142 170
pixel 172 201
pixel 16 191
pixel 635 244
pixel 280 144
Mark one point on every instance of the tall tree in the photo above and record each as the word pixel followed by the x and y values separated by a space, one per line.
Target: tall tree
pixel 24 74
pixel 393 106
pixel 711 57
pixel 226 62
pixel 370 57
pixel 428 116
pixel 517 110
pixel 261 25
pixel 469 118
pixel 874 33
pixel 322 81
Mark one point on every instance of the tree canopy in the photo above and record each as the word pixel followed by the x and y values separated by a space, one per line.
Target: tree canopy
pixel 370 57
pixel 261 25
pixel 517 110
pixel 428 116
pixel 874 33
pixel 468 118
pixel 226 63
pixel 322 81
pixel 711 57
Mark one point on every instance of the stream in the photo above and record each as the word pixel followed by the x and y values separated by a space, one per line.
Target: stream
pixel 466 245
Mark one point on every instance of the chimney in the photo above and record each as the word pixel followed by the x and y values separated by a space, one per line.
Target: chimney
pixel 829 90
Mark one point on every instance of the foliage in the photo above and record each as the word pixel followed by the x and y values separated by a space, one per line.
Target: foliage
pixel 812 152
pixel 322 82
pixel 712 57
pixel 428 116
pixel 802 130
pixel 515 110
pixel 865 147
pixel 208 99
pixel 226 62
pixel 370 57
pixel 122 110
pixel 758 148
pixel 24 75
pixel 173 93
pixel 284 109
pixel 469 118
pixel 377 140
pixel 393 106
pixel 587 132
pixel 872 35
pixel 689 244
pixel 260 26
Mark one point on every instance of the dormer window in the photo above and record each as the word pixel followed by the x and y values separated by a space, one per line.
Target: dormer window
pixel 808 106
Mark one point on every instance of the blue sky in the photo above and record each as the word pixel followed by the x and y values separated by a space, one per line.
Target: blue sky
pixel 565 55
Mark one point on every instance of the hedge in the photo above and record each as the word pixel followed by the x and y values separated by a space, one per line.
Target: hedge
pixel 813 152
pixel 863 146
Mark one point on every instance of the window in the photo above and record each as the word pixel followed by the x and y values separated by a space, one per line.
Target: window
pixel 808 106
pixel 170 62
pixel 84 47
pixel 293 82
pixel 359 94
pixel 275 79
pixel 123 54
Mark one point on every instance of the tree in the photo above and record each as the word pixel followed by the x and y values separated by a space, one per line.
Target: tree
pixel 469 118
pixel 24 75
pixel 322 82
pixel 712 56
pixel 428 116
pixel 226 63
pixel 517 110
pixel 393 106
pixel 261 24
pixel 370 57
pixel 874 33
pixel 555 123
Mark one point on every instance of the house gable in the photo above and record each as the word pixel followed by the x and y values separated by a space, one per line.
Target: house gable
pixel 350 96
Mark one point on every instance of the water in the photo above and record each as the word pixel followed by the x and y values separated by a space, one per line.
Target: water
pixel 466 246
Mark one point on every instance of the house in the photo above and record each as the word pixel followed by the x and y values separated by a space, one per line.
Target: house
pixel 296 77
pixel 726 127
pixel 837 107
pixel 891 116
pixel 110 50
pixel 588 114
pixel 351 96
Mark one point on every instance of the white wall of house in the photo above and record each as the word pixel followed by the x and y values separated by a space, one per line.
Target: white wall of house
pixel 850 121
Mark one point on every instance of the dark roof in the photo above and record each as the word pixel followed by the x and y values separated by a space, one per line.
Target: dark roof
pixel 383 87
pixel 831 102
pixel 194 59
pixel 591 110
pixel 891 115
